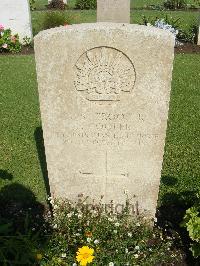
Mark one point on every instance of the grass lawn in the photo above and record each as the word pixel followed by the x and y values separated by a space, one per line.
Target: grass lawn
pixel 187 19
pixel 20 120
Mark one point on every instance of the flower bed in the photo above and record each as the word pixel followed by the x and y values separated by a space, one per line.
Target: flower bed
pixel 8 41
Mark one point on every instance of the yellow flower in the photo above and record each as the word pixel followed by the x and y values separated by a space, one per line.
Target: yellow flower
pixel 38 256
pixel 85 255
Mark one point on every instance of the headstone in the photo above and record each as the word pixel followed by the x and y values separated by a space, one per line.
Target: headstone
pixel 15 14
pixel 104 96
pixel 198 42
pixel 113 11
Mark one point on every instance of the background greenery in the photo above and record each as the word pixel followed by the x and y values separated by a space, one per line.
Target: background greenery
pixel 187 19
pixel 40 4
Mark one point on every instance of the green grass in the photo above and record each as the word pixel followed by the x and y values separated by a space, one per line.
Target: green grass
pixel 187 19
pixel 181 168
pixel 20 118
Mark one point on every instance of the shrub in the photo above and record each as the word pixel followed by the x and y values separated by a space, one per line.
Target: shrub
pixel 174 4
pixel 17 248
pixel 191 221
pixel 55 19
pixel 58 4
pixel 9 42
pixel 86 4
pixel 174 26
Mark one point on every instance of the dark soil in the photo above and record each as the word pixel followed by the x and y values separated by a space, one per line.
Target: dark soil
pixel 26 50
pixel 188 48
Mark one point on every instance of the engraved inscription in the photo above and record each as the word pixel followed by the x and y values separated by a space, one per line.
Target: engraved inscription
pixel 103 73
pixel 110 129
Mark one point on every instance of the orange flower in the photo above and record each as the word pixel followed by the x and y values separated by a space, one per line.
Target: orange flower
pixel 88 234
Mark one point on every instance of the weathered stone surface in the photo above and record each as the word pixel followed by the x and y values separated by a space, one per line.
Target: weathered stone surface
pixel 104 92
pixel 199 37
pixel 16 16
pixel 113 11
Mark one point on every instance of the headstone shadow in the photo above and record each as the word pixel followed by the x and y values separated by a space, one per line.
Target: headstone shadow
pixel 18 204
pixel 172 210
pixel 38 134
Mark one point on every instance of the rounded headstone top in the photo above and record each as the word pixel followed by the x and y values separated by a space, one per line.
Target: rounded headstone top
pixel 107 27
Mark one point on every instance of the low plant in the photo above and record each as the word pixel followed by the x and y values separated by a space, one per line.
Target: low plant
pixel 32 5
pixel 191 222
pixel 87 234
pixel 174 4
pixel 8 41
pixel 55 19
pixel 17 248
pixel 86 4
pixel 27 42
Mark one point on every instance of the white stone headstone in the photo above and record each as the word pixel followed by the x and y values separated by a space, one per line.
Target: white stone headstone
pixel 113 11
pixel 104 96
pixel 15 14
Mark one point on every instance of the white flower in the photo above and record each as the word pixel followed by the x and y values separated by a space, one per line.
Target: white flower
pixel 126 250
pixel 63 255
pixel 74 264
pixel 88 239
pixel 115 231
pixel 77 234
pixel 116 224
pixel 137 248
pixel 111 264
pixel 49 198
pixel 55 226
pixel 69 215
pixel 79 215
pixel 136 256
pixel 161 24
pixel 96 241
pixel 130 234
pixel 110 219
pixel 55 207
pixel 138 224
pixel 5 45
